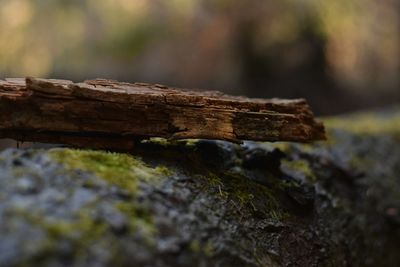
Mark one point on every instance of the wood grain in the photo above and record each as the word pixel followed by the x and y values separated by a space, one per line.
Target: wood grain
pixel 111 115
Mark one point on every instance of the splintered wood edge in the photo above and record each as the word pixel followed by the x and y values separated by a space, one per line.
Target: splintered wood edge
pixel 187 113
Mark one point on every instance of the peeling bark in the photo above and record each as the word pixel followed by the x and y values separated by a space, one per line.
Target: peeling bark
pixel 109 114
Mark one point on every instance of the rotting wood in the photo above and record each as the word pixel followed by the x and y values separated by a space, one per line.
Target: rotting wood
pixel 109 114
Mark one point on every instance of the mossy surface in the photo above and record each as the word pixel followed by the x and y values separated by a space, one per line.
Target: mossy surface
pixel 370 123
pixel 122 170
pixel 247 194
pixel 167 143
pixel 118 169
pixel 300 168
pixel 207 203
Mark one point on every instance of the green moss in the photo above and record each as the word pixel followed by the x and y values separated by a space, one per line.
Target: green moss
pixel 138 217
pixel 163 170
pixel 158 140
pixel 89 227
pixel 309 147
pixel 19 171
pixel 167 142
pixel 245 193
pixel 302 167
pixel 191 142
pixel 122 170
pixel 358 163
pixel 206 248
pixel 82 232
pixel 213 181
pixel 282 146
pixel 366 123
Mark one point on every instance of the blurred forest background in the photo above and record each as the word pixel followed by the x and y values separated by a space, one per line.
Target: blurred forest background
pixel 341 55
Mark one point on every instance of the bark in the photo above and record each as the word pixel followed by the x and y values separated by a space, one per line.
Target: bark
pixel 110 114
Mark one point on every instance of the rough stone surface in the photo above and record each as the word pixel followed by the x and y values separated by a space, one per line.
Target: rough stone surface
pixel 208 203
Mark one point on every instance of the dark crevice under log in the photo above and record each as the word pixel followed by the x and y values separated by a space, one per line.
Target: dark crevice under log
pixel 109 114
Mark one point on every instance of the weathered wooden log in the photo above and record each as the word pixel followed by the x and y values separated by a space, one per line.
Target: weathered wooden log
pixel 109 114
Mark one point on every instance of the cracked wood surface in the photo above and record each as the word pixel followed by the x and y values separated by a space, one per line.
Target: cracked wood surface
pixel 109 114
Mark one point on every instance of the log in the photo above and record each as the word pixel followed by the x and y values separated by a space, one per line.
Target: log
pixel 209 203
pixel 109 114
